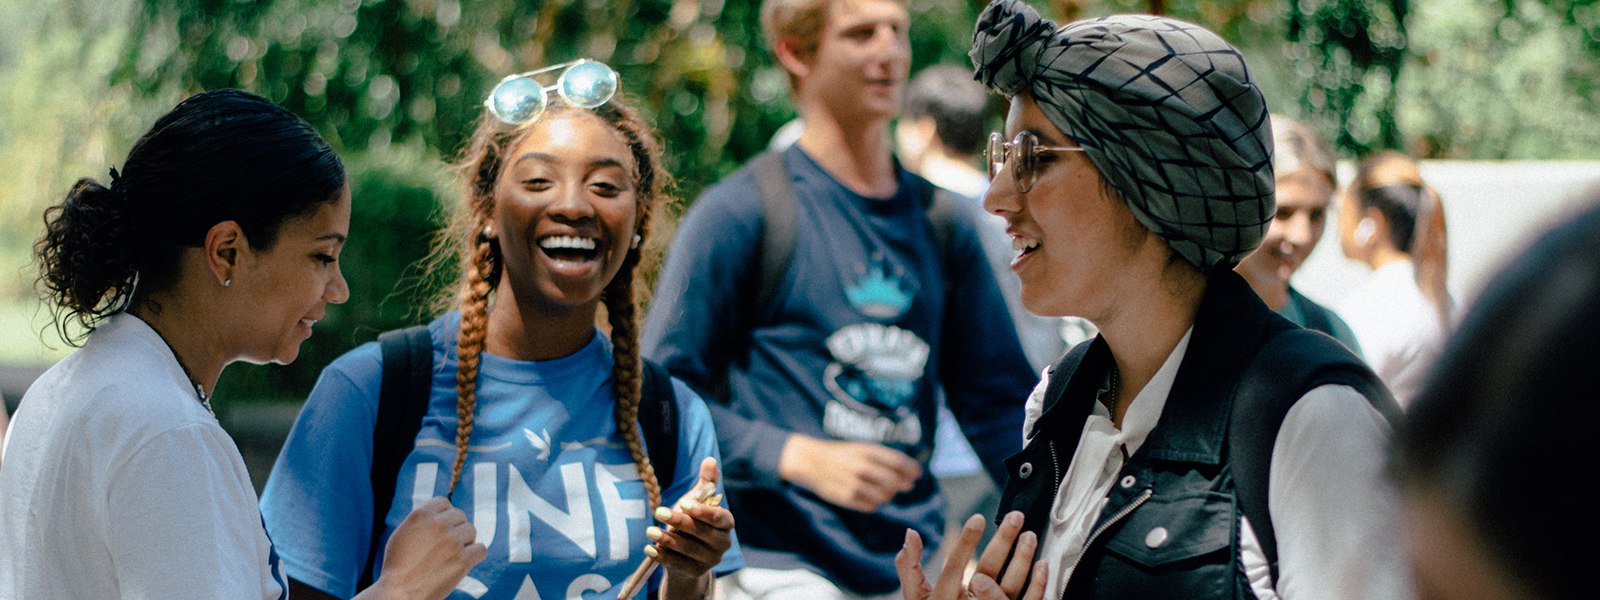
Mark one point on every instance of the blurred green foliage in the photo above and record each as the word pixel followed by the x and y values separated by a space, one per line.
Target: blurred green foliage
pixel 396 84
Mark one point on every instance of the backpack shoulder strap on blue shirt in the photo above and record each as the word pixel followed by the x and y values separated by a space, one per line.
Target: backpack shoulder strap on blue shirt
pixel 780 227
pixel 403 400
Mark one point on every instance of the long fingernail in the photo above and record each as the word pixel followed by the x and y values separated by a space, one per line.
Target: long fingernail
pixel 653 533
pixel 651 551
pixel 663 513
pixel 685 504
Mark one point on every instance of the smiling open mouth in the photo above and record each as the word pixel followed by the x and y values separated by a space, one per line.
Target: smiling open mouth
pixel 570 249
pixel 1022 247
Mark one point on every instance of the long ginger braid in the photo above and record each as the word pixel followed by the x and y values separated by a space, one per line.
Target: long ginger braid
pixel 621 309
pixel 626 373
pixel 469 347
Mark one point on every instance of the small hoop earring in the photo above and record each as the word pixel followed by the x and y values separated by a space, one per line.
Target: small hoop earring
pixel 636 239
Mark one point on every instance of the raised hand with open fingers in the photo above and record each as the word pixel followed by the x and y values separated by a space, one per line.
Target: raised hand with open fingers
pixel 987 582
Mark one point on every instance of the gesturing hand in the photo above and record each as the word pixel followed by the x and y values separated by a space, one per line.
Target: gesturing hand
pixel 855 475
pixel 699 533
pixel 914 584
pixel 428 553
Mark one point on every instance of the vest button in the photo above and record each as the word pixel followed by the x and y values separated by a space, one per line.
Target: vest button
pixel 1127 482
pixel 1025 470
pixel 1156 537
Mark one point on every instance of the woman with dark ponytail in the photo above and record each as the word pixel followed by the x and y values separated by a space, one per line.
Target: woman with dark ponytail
pixel 217 242
pixel 1393 222
pixel 532 419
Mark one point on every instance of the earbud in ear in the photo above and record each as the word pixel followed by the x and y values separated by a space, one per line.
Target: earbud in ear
pixel 1364 231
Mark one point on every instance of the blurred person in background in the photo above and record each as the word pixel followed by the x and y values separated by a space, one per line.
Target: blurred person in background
pixel 1201 446
pixel 527 405
pixel 826 389
pixel 218 242
pixel 1393 222
pixel 941 130
pixel 1303 170
pixel 941 133
pixel 1506 418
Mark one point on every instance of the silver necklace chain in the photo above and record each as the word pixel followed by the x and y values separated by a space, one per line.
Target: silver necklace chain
pixel 199 391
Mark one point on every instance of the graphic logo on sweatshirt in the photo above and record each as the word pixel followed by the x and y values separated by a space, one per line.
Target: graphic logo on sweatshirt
pixel 878 295
pixel 873 380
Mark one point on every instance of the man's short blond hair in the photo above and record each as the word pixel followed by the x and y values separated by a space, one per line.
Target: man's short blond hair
pixel 800 20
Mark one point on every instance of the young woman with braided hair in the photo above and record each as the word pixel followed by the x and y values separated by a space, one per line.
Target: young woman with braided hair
pixel 532 411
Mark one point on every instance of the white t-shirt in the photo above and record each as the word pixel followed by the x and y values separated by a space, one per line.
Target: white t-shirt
pixel 1398 329
pixel 1334 514
pixel 118 483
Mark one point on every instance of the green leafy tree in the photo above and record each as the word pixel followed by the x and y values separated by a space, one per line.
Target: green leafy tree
pixel 396 85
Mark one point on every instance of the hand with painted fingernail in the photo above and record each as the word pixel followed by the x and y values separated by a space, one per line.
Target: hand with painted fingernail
pixel 691 540
pixel 696 533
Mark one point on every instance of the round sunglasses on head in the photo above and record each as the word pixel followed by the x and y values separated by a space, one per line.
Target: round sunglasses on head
pixel 1025 149
pixel 519 100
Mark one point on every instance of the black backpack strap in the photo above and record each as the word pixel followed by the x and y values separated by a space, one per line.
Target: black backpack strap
pixel 402 401
pixel 1291 364
pixel 939 203
pixel 658 418
pixel 779 228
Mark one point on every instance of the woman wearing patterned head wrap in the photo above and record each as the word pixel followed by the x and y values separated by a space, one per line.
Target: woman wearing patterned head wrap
pixel 1201 446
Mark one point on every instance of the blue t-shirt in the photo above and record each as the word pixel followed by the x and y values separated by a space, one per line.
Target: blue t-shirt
pixel 548 481
pixel 868 324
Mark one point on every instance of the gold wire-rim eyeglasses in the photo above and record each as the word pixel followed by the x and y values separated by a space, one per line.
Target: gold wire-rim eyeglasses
pixel 1025 146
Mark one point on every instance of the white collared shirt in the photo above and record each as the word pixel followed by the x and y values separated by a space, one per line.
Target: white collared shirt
pixel 1334 513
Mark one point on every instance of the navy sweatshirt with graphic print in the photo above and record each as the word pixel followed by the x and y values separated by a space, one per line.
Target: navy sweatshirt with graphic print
pixel 863 333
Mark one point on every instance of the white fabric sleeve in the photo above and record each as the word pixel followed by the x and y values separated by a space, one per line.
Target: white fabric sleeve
pixel 184 522
pixel 1334 513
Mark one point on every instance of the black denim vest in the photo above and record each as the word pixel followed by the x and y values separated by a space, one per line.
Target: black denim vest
pixel 1170 528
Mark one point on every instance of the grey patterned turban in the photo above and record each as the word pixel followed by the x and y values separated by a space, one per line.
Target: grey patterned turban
pixel 1165 109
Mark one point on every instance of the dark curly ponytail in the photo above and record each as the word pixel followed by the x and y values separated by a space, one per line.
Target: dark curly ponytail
pixel 224 155
pixel 84 265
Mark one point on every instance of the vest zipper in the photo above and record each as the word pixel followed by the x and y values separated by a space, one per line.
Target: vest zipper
pixel 1121 514
pixel 1055 463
